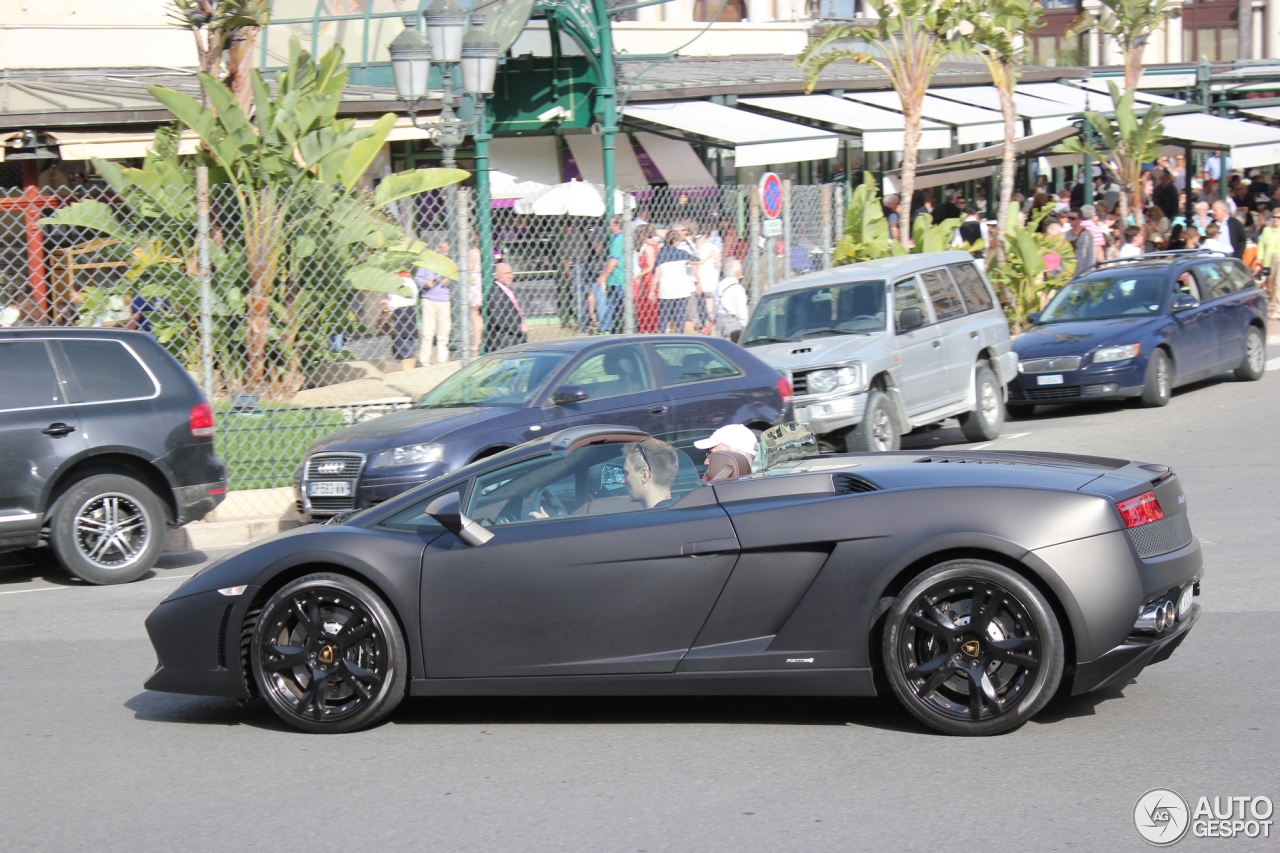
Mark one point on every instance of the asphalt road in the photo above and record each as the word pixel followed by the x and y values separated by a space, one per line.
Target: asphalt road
pixel 90 761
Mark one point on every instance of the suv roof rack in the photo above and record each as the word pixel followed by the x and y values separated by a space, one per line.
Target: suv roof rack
pixel 1171 254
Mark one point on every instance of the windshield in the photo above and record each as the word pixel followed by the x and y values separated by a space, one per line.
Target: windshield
pixel 840 309
pixel 501 379
pixel 1106 298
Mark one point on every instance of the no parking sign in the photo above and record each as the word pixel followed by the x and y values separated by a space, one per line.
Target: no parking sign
pixel 771 195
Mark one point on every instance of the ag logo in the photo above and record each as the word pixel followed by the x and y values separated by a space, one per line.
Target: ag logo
pixel 1161 817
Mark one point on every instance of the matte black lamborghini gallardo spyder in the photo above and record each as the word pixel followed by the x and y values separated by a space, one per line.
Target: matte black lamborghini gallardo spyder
pixel 974 585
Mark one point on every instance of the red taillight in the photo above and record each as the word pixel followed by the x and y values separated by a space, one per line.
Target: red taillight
pixel 202 419
pixel 1143 509
pixel 784 388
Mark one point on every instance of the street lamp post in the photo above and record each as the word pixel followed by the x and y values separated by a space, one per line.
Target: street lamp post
pixel 475 58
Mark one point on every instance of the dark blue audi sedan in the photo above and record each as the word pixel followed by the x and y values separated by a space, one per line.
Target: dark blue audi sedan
pixel 656 383
pixel 1140 327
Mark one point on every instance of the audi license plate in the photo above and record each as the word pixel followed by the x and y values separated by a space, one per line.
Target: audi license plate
pixel 1049 380
pixel 329 490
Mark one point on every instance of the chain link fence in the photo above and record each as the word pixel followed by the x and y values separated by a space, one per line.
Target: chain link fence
pixel 263 301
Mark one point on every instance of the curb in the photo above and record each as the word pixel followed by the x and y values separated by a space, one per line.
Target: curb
pixel 221 535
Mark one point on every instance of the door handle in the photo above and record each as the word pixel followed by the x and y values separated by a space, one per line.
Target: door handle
pixel 58 430
pixel 973 334
pixel 657 410
pixel 710 546
pixel 937 343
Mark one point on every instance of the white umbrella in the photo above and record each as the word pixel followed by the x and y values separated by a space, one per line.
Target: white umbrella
pixel 575 198
pixel 504 186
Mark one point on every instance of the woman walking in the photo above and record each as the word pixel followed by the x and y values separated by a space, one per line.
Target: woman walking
pixel 674 283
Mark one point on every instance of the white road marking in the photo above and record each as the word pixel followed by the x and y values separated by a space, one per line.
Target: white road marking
pixel 33 589
pixel 987 444
pixel 982 446
pixel 1014 435
pixel 171 577
pixel 1273 364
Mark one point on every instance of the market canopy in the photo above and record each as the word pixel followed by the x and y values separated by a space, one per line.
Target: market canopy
pixel 1250 144
pixel 973 124
pixel 881 130
pixel 1044 116
pixel 589 157
pixel 977 164
pixel 758 140
pixel 1100 85
pixel 675 160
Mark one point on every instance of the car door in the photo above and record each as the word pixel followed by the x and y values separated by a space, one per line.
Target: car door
pixel 1218 289
pixel 959 333
pixel 620 388
pixel 918 359
pixel 39 431
pixel 704 388
pixel 610 588
pixel 1191 330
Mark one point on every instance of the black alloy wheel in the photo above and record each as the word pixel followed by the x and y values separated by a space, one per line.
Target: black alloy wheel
pixel 328 656
pixel 972 648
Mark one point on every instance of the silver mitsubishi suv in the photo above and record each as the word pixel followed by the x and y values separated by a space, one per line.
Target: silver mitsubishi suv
pixel 879 348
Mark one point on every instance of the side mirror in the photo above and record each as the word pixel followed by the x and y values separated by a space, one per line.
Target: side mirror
pixel 448 512
pixel 1183 301
pixel 566 394
pixel 1033 317
pixel 910 319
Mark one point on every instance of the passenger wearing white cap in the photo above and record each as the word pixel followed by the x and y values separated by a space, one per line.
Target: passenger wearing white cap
pixel 731 437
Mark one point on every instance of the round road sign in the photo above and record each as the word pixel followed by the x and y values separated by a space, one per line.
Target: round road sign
pixel 771 195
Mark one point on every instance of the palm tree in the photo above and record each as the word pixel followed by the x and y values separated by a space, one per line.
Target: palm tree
pixel 1001 35
pixel 1127 143
pixel 1130 23
pixel 910 40
pixel 224 26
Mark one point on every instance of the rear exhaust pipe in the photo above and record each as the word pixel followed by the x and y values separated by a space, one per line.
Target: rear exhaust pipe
pixel 1153 618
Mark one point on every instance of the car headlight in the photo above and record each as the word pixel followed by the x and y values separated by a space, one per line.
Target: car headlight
pixel 846 379
pixel 1117 353
pixel 412 454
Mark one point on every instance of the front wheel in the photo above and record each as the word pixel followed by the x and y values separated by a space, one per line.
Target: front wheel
pixel 1158 386
pixel 971 648
pixel 108 529
pixel 1254 363
pixel 328 656
pixel 984 422
pixel 878 431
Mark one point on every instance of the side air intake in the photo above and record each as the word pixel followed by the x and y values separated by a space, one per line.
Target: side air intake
pixel 851 484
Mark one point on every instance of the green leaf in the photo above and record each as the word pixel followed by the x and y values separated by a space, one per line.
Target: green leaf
pixel 439 264
pixel 379 281
pixel 363 153
pixel 93 215
pixel 404 184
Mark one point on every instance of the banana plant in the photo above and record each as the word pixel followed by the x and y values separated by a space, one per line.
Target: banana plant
pixel 284 186
pixel 866 230
pixel 930 237
pixel 1034 266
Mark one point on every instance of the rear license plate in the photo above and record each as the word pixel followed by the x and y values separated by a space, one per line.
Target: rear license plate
pixel 1049 380
pixel 329 490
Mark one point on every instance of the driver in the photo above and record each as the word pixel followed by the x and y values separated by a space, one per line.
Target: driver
pixel 731 437
pixel 648 472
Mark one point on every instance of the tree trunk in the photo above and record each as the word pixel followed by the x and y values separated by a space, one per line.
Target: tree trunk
pixel 1132 68
pixel 1009 162
pixel 910 159
pixel 240 65
pixel 262 244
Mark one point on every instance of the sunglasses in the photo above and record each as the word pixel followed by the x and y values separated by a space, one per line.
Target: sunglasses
pixel 643 455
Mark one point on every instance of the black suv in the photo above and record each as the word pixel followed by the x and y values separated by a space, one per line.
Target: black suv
pixel 104 440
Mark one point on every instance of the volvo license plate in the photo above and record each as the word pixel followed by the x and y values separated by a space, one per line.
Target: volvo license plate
pixel 329 490
pixel 1049 380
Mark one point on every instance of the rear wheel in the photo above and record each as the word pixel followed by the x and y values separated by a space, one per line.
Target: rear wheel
pixel 108 529
pixel 1159 382
pixel 1254 363
pixel 984 422
pixel 328 656
pixel 971 648
pixel 878 431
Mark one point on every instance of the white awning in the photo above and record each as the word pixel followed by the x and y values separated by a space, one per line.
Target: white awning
pixel 881 129
pixel 1100 85
pixel 1045 116
pixel 404 128
pixel 976 164
pixel 679 164
pixel 530 158
pixel 1251 144
pixel 114 146
pixel 589 156
pixel 973 125
pixel 758 140
pixel 1264 113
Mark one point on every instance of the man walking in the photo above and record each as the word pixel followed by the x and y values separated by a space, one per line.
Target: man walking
pixel 1081 240
pixel 611 280
pixel 506 325
pixel 1230 231
pixel 731 302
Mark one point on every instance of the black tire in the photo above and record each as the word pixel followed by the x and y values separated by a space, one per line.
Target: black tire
pixel 1018 411
pixel 1158 387
pixel 981 681
pixel 985 421
pixel 305 631
pixel 108 528
pixel 1254 362
pixel 878 431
